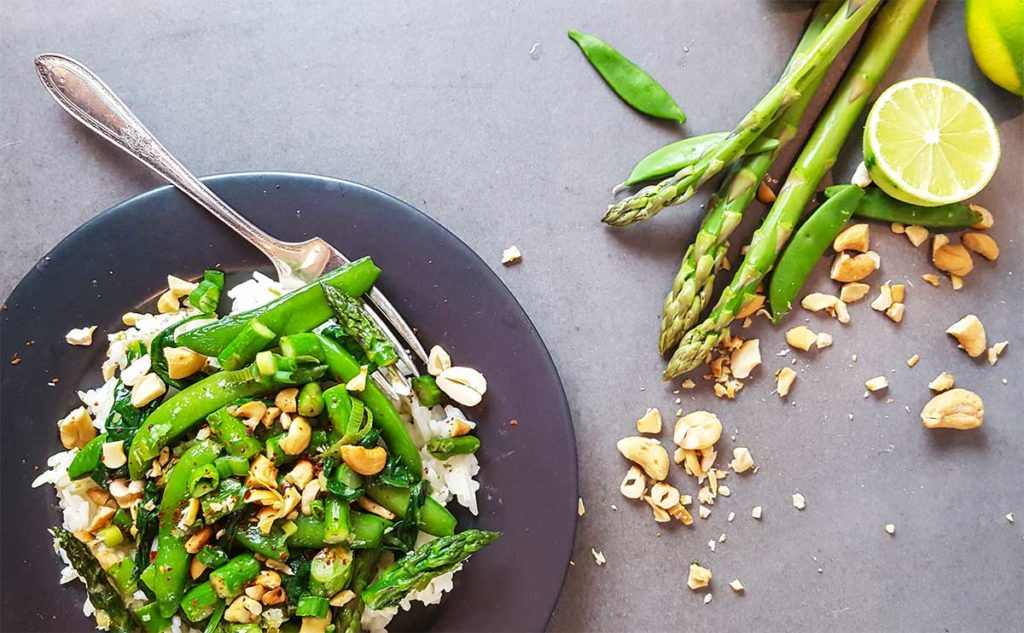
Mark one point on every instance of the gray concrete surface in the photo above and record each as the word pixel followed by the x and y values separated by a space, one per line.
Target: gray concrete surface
pixel 444 105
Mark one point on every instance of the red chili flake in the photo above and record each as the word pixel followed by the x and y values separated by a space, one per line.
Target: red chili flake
pixel 513 422
pixel 152 556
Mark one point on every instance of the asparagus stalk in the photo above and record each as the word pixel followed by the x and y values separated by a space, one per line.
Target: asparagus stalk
pixel 693 284
pixel 873 58
pixel 649 201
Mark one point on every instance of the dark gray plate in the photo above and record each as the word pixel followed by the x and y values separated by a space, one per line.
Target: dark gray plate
pixel 120 260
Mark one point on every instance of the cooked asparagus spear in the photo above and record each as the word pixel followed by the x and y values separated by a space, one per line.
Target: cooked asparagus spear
pixel 693 285
pixel 839 117
pixel 414 571
pixel 649 201
pixel 102 594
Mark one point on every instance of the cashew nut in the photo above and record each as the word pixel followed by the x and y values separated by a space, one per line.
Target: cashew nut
pixel 300 474
pixel 182 362
pixel 751 304
pixel 986 221
pixel 970 333
pixel 125 493
pixel 784 379
pixel 981 244
pixel 463 385
pixel 817 301
pixel 660 515
pixel 647 453
pixel 373 507
pixel 741 460
pixel 309 494
pixel 113 454
pixel 274 596
pixel 285 400
pixel 198 540
pixel 853 291
pixel 365 461
pixel 697 431
pixel 665 496
pixel 196 568
pixel 942 382
pixel 438 361
pixel 954 409
pixel 801 337
pixel 634 484
pixel 884 298
pixel 856 267
pixel 681 514
pixel 917 235
pixel 745 358
pixel 168 303
pixel 298 436
pixel 855 238
pixel 76 429
pixel 699 577
pixel 952 258
pixel 650 422
pixel 262 473
pixel 179 287
pixel 243 610
pixel 80 335
pixel 101 520
pixel 268 579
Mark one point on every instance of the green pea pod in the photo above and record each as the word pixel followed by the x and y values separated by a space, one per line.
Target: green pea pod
pixel 152 622
pixel 426 390
pixel 271 545
pixel 253 339
pixel 445 447
pixel 330 571
pixel 228 580
pixel 304 344
pixel 312 607
pixel 673 157
pixel 229 497
pixel 199 602
pixel 434 518
pixel 336 520
pixel 344 367
pixel 166 575
pixel 880 206
pixel 182 411
pixel 212 557
pixel 629 81
pixel 310 400
pixel 233 434
pixel 366 531
pixel 203 480
pixel 807 246
pixel 298 311
pixel 87 458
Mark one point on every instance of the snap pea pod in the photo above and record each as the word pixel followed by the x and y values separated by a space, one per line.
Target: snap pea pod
pixel 878 205
pixel 169 569
pixel 434 518
pixel 336 520
pixel 200 602
pixel 312 607
pixel 344 367
pixel 366 531
pixel 149 617
pixel 212 557
pixel 364 566
pixel 233 434
pixel 232 466
pixel 429 561
pixel 102 593
pixel 298 311
pixel 629 81
pixel 228 580
pixel 673 157
pixel 330 571
pixel 426 390
pixel 203 480
pixel 272 545
pixel 370 338
pixel 310 400
pixel 809 243
pixel 87 458
pixel 122 576
pixel 182 411
pixel 445 447
pixel 253 339
pixel 229 497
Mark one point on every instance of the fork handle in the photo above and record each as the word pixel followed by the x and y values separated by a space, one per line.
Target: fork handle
pixel 84 95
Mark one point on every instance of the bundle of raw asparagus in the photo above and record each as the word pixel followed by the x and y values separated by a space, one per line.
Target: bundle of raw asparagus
pixel 775 118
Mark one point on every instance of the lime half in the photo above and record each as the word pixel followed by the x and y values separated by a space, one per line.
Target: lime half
pixel 930 142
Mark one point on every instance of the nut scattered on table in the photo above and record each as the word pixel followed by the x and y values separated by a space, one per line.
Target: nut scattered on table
pixel 650 422
pixel 511 255
pixel 798 501
pixel 952 258
pixel 854 238
pixel 846 267
pixel 746 358
pixel 931 278
pixel 970 333
pixel 756 512
pixel 877 383
pixel 741 460
pixel 986 221
pixel 817 301
pixel 942 382
pixel 634 484
pixel 917 235
pixel 954 409
pixel 981 244
pixel 854 291
pixel 801 337
pixel 80 335
pixel 647 453
pixel 784 379
pixel 699 577
pixel 995 351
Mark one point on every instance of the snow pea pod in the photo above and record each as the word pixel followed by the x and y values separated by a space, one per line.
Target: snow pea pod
pixel 629 81
pixel 298 311
pixel 182 411
pixel 877 205
pixel 233 434
pixel 808 245
pixel 366 531
pixel 168 571
pixel 434 518
pixel 343 366
pixel 671 158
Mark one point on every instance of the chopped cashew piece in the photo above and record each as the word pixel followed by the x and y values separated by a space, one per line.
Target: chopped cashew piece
pixel 854 268
pixel 801 337
pixel 647 453
pixel 650 422
pixel 697 431
pixel 741 460
pixel 986 221
pixel 179 287
pixel 297 439
pixel 854 238
pixel 699 577
pixel 167 303
pixel 580 508
pixel 765 195
pixel 598 557
pixel 80 335
pixel 688 384
pixel 660 514
pixel 798 501
pixel 824 340
pixel 463 385
pixel 113 455
pixel 899 293
pixel 861 176
pixel 76 429
pixel 511 255
pixel 182 362
pixel 877 383
pixel 665 496
pixel 358 382
pixel 756 512
pixel 890 528
pixel 752 304
pixel 917 235
pixel 365 461
pixel 146 390
pixel 970 333
pixel 853 291
pixel 897 228
pixel 956 281
pixel 954 409
pixel 373 507
pixel 817 301
pixel 931 278
pixel 840 312
pixel 913 360
pixel 244 610
pixel 884 299
pixel 438 361
pixel 681 514
pixel 736 585
pixel 703 512
pixel 995 351
pixel 745 358
pixel 285 400
pixel 952 258
pixel 981 244
pixel 895 312
pixel 784 381
pixel 942 382
pixel 633 486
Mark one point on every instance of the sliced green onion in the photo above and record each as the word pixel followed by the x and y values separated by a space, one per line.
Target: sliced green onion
pixel 312 607
pixel 111 536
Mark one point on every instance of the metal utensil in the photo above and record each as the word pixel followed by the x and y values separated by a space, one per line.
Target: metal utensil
pixel 84 95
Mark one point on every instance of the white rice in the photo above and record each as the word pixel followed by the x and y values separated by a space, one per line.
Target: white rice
pixel 449 479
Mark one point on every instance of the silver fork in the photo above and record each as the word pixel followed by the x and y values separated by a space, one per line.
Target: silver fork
pixel 84 95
